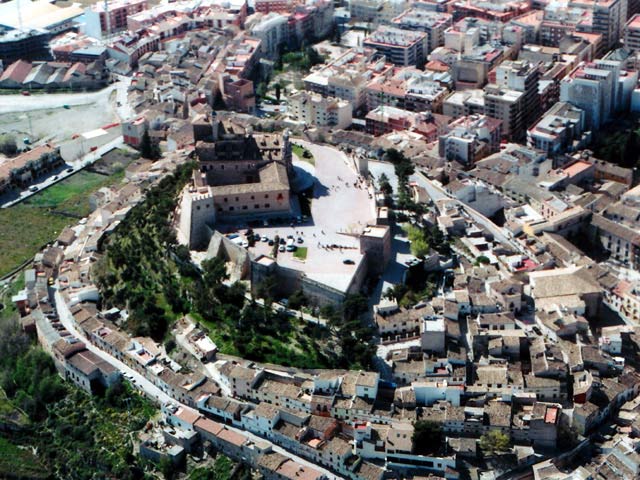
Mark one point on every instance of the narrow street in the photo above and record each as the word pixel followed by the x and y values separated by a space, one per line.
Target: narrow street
pixel 153 392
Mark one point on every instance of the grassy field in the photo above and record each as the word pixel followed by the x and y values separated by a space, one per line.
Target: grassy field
pixel 300 253
pixel 26 227
pixel 17 462
pixel 303 154
pixel 10 414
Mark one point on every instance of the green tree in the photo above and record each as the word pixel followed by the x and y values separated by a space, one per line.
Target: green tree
pixel 427 437
pixel 494 441
pixel 482 260
pixel 267 289
pixel 396 292
pixel 353 306
pixel 419 244
pixel 148 148
pixel 167 468
pixel 8 145
pixel 385 186
pixel 297 299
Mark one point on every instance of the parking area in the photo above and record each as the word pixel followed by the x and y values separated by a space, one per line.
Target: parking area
pixel 327 248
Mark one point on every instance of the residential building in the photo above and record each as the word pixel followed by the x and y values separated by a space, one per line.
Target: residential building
pixel 560 130
pixel 470 139
pixel 591 90
pixel 432 23
pixel 513 98
pixel 21 171
pixel 632 33
pixel 104 18
pixel 463 103
pixel 314 109
pixel 407 88
pixel 620 241
pixel 269 6
pixel 400 47
pixel 24 45
pixel 383 120
pixel 273 31
pixel 347 76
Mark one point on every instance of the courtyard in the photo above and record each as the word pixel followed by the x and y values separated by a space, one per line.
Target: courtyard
pixel 341 206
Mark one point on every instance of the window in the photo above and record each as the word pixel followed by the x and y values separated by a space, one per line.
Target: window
pixel 256 206
pixel 231 209
pixel 266 195
pixel 244 207
pixel 267 205
pixel 225 199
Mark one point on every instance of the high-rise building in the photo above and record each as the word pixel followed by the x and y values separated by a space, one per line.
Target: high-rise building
pixel 591 89
pixel 400 47
pixel 632 33
pixel 432 23
pixel 514 98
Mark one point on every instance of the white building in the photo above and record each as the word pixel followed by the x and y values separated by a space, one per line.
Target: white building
pixel 477 195
pixel 561 129
pixel 314 109
pixel 348 75
pixel 272 29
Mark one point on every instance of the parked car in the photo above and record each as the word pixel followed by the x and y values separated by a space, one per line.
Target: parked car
pixel 26 93
pixel 271 243
pixel 291 248
pixel 283 241
pixel 245 244
pixel 348 261
pixel 33 188
pixel 281 248
pixel 69 170
pixel 265 238
pixel 300 240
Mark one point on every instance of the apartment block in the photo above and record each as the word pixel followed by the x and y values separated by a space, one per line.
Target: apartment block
pixel 632 33
pixel 314 109
pixel 408 88
pixel 464 102
pixel 272 30
pixel 348 76
pixel 101 21
pixel 561 129
pixel 400 47
pixel 590 89
pixel 383 120
pixel 513 98
pixel 432 23
pixel 470 139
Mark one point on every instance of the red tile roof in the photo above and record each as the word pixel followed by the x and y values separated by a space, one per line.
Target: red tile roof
pixel 17 71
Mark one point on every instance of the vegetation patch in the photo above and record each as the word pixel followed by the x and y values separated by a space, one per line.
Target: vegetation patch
pixel 303 154
pixel 29 225
pixel 301 253
pixel 20 462
pixel 77 436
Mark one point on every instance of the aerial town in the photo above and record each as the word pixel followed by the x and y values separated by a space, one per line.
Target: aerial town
pixel 320 239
